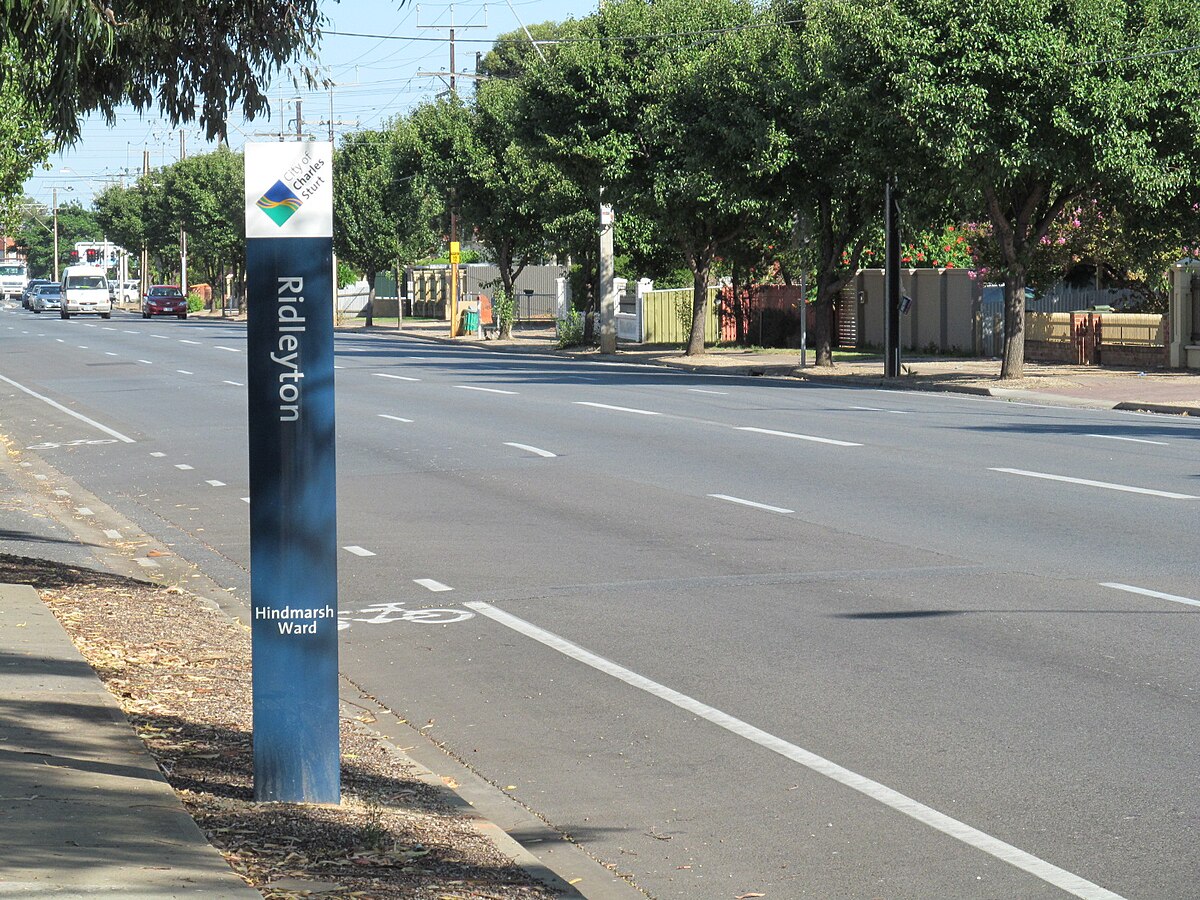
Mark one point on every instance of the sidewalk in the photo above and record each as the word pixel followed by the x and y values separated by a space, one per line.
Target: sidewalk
pixel 84 810
pixel 1168 391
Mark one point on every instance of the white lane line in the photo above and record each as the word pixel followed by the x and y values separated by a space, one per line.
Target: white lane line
pixel 145 362
pixel 894 412
pixel 777 509
pixel 183 467
pixel 81 347
pixel 70 412
pixel 60 340
pixel 640 412
pixel 148 563
pixel 973 837
pixel 84 511
pixel 215 483
pixel 339 367
pixel 184 372
pixel 235 383
pixel 245 499
pixel 185 341
pixel 702 391
pixel 394 418
pixel 1100 484
pixel 230 349
pixel 799 437
pixel 1116 437
pixel 109 352
pixel 161 337
pixel 397 377
pixel 358 551
pixel 107 328
pixel 88 325
pixel 544 453
pixel 112 534
pixel 471 387
pixel 1148 593
pixel 158 454
pixel 432 585
pixel 132 332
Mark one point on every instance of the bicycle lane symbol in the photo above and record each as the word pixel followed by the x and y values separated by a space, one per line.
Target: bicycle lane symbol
pixel 386 613
pixel 54 445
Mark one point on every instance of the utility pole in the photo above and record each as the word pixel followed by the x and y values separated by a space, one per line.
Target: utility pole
pixel 891 277
pixel 451 77
pixel 183 256
pixel 55 202
pixel 145 267
pixel 608 295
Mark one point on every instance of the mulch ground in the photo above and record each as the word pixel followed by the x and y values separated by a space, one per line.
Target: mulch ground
pixel 181 671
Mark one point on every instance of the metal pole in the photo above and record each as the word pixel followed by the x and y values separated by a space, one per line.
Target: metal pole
pixel 891 331
pixel 183 273
pixel 803 316
pixel 55 201
pixel 608 300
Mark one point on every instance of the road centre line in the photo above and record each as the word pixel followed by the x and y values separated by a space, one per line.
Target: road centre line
pixel 60 340
pixel 702 391
pixel 145 362
pixel 432 585
pixel 543 453
pixel 358 551
pixel 70 412
pixel 972 837
pixel 230 349
pixel 895 412
pixel 109 353
pixel 161 337
pixel 640 412
pixel 471 387
pixel 107 328
pixel 1169 495
pixel 801 437
pixel 127 331
pixel 185 341
pixel 778 509
pixel 397 377
pixel 184 372
pixel 81 347
pixel 235 383
pixel 1117 437
pixel 1115 585
pixel 395 418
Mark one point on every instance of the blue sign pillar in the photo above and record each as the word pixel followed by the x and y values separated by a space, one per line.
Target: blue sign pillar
pixel 293 504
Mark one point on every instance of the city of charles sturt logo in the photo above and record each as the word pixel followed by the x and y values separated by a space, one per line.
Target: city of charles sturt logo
pixel 279 203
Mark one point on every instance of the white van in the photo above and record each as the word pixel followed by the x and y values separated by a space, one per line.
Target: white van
pixel 85 290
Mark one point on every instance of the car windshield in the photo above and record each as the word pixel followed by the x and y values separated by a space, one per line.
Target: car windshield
pixel 49 289
pixel 165 292
pixel 12 270
pixel 87 282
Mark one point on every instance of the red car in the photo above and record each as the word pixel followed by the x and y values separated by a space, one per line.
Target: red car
pixel 164 300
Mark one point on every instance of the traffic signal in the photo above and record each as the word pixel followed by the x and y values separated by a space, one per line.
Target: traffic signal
pixel 74 257
pixel 91 254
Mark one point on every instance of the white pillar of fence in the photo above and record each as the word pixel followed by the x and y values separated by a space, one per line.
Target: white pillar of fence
pixel 562 297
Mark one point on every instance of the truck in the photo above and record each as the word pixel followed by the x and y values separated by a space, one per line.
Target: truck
pixel 13 275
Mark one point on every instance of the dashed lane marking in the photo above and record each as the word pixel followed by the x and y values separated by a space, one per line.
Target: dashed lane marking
pixel 432 585
pixel 394 418
pixel 235 383
pixel 739 500
pixel 544 453
pixel 1129 588
pixel 184 372
pixel 799 437
pixel 640 412
pixel 358 551
pixel 215 483
pixel 184 467
pixel 396 377
pixel 1107 485
pixel 1117 437
pixel 471 387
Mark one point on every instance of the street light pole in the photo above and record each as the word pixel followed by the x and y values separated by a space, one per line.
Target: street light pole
pixel 55 202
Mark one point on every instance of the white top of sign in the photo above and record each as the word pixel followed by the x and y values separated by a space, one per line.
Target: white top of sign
pixel 289 189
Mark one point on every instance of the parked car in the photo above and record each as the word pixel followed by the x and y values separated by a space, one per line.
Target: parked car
pixel 85 290
pixel 27 294
pixel 164 300
pixel 130 291
pixel 46 296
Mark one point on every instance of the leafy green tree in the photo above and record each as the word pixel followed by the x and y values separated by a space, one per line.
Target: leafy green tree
pixel 1028 107
pixel 70 59
pixel 203 194
pixel 35 237
pixel 22 146
pixel 366 232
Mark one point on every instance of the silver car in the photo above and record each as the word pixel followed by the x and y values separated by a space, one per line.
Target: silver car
pixel 46 296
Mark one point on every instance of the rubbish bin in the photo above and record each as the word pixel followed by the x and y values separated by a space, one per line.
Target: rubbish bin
pixel 471 321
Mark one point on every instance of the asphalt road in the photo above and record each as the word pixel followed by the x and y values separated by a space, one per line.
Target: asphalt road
pixel 735 635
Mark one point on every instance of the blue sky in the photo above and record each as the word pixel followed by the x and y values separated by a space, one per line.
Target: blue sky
pixel 376 78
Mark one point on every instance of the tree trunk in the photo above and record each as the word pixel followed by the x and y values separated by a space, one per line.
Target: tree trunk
pixel 695 345
pixel 739 312
pixel 1014 324
pixel 507 285
pixel 823 318
pixel 371 273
